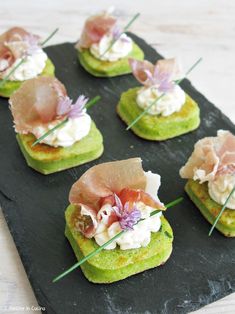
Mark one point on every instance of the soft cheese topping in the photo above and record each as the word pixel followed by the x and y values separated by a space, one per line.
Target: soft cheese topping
pixel 30 68
pixel 140 236
pixel 74 130
pixel 171 102
pixel 120 49
pixel 158 81
pixel 220 188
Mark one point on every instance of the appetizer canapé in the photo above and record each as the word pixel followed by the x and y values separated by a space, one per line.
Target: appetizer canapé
pixel 171 112
pixel 15 45
pixel 103 50
pixel 107 199
pixel 39 105
pixel 211 174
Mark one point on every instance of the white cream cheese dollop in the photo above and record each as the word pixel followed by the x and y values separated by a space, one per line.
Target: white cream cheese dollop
pixel 171 102
pixel 121 48
pixel 33 66
pixel 220 188
pixel 140 236
pixel 72 131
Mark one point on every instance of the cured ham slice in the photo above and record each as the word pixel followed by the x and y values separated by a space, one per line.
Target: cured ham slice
pixel 95 28
pixel 105 189
pixel 226 151
pixel 6 58
pixel 229 169
pixel 203 161
pixel 36 102
pixel 9 53
pixel 13 45
pixel 141 70
pixel 107 215
pixel 133 196
pixel 149 74
pixel 170 66
pixel 106 179
pixel 15 34
pixel 211 156
pixel 84 219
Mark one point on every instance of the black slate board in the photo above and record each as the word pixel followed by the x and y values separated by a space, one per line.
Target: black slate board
pixel 200 270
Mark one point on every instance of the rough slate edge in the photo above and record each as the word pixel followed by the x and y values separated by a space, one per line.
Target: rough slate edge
pixel 220 290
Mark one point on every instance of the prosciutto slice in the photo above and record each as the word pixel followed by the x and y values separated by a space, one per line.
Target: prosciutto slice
pixel 149 74
pixel 6 58
pixel 95 28
pixel 130 196
pixel 211 156
pixel 36 102
pixel 99 188
pixel 141 70
pixel 106 179
pixel 84 219
pixel 13 45
pixel 15 34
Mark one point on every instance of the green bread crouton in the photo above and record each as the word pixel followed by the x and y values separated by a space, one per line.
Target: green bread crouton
pixel 198 193
pixel 48 159
pixel 112 265
pixel 157 127
pixel 101 68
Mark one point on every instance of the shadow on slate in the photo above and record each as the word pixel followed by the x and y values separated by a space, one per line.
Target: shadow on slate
pixel 200 270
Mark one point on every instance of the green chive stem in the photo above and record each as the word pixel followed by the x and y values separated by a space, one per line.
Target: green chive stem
pixel 221 212
pixel 92 102
pixel 50 36
pixel 175 202
pixel 135 17
pixel 88 256
pixel 59 125
pixel 2 82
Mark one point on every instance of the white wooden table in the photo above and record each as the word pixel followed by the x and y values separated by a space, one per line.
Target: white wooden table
pixel 186 29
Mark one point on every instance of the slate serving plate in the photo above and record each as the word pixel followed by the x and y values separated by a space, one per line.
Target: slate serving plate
pixel 200 270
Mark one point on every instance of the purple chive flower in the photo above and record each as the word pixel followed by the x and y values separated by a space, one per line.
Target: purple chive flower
pixel 162 80
pixel 125 39
pixel 116 32
pixel 33 44
pixel 127 217
pixel 66 107
pixel 77 109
